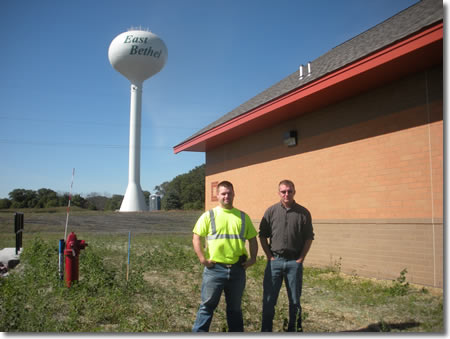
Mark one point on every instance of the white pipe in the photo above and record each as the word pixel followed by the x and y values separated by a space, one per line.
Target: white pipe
pixel 301 72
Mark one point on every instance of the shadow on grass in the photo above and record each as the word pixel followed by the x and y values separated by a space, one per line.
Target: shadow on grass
pixel 386 327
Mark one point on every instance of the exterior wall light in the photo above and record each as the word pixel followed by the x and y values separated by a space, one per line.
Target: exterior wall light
pixel 290 138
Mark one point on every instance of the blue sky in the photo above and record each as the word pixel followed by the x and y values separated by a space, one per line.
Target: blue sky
pixel 63 106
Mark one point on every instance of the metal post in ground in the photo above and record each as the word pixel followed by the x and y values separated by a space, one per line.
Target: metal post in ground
pixel 18 229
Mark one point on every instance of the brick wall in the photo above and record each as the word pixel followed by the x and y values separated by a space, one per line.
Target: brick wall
pixel 371 163
pixel 382 248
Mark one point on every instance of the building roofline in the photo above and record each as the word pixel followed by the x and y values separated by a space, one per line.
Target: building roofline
pixel 418 50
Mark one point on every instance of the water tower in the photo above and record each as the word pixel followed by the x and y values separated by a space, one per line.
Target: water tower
pixel 137 55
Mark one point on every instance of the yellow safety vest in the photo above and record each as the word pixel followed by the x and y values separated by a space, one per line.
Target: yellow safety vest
pixel 225 234
pixel 215 235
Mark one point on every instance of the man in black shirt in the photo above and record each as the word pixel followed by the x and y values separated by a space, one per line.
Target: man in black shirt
pixel 289 227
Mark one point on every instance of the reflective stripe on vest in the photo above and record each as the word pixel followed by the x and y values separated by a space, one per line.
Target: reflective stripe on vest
pixel 214 234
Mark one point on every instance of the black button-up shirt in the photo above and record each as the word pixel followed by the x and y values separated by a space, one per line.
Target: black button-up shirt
pixel 288 229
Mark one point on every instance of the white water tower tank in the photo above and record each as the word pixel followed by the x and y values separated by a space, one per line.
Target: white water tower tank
pixel 137 55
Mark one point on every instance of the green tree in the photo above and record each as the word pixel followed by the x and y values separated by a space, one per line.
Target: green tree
pixel 147 197
pixel 171 201
pixel 161 189
pixel 52 203
pixel 185 191
pixel 96 201
pixel 63 199
pixel 5 203
pixel 21 198
pixel 45 195
pixel 78 200
pixel 114 203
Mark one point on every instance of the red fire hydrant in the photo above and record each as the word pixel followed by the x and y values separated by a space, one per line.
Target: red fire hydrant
pixel 72 252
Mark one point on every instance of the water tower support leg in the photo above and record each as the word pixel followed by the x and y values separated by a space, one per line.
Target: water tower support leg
pixel 134 199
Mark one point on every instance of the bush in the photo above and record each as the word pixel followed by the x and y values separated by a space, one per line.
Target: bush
pixel 400 286
pixel 5 203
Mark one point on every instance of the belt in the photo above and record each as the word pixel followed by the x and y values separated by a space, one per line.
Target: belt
pixel 225 265
pixel 285 256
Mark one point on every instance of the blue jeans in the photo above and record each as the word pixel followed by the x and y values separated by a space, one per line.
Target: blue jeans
pixel 215 280
pixel 292 273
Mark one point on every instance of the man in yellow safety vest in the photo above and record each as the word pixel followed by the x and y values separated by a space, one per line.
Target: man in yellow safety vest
pixel 225 259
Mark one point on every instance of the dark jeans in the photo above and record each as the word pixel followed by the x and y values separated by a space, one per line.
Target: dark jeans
pixel 292 273
pixel 215 280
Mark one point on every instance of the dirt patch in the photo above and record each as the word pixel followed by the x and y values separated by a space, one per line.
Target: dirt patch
pixel 160 222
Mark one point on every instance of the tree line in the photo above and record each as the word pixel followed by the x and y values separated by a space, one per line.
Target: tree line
pixel 185 191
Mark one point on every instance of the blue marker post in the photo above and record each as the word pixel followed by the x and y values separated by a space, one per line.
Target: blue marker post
pixel 61 258
pixel 129 246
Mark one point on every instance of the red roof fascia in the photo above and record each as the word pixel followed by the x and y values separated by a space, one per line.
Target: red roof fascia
pixel 361 72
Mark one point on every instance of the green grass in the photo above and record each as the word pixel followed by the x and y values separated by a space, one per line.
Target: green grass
pixel 162 293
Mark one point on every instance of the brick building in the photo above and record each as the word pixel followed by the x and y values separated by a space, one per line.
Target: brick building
pixel 362 138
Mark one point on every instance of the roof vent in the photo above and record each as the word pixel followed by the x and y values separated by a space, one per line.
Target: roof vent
pixel 300 71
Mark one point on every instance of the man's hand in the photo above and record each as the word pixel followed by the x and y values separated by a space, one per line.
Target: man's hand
pixel 208 263
pixel 196 242
pixel 304 251
pixel 300 261
pixel 253 244
pixel 249 263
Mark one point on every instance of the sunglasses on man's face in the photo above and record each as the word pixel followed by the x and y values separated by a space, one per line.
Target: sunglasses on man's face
pixel 286 191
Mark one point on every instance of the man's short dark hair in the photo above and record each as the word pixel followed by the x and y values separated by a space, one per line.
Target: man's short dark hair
pixel 226 184
pixel 287 182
